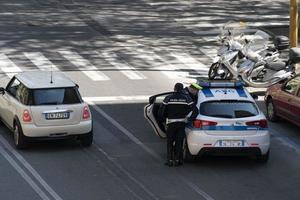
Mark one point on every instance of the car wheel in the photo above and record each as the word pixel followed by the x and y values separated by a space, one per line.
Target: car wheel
pixel 263 158
pixel 87 139
pixel 271 111
pixel 21 142
pixel 187 156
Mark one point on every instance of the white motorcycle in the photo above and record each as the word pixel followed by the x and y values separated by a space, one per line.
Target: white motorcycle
pixel 250 62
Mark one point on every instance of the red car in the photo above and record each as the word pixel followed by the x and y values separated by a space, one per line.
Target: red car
pixel 283 100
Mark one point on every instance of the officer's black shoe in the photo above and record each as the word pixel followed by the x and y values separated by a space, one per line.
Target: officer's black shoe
pixel 178 163
pixel 169 163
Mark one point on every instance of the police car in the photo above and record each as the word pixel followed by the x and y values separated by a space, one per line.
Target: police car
pixel 229 122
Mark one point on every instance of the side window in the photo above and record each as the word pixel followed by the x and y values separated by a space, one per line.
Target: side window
pixel 292 85
pixel 23 94
pixel 12 87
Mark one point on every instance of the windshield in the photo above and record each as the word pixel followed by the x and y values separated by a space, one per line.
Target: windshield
pixel 56 96
pixel 228 109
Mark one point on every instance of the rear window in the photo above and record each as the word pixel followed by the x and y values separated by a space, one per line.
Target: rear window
pixel 56 96
pixel 228 109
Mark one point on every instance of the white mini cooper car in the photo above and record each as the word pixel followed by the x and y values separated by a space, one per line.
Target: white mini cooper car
pixel 44 105
pixel 229 122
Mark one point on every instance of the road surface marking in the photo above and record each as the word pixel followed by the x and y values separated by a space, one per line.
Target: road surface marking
pixel 25 176
pixel 8 67
pixel 30 169
pixel 41 61
pixel 124 67
pixel 147 149
pixel 124 171
pixel 84 65
pixel 191 62
pixel 118 99
pixel 158 63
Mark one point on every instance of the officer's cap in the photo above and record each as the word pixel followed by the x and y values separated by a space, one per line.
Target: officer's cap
pixel 196 86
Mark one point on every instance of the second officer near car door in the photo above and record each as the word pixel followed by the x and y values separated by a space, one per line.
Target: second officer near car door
pixel 176 109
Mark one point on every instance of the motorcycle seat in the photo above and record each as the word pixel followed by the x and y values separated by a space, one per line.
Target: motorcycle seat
pixel 277 66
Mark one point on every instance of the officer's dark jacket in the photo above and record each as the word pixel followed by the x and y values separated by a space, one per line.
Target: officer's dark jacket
pixel 176 107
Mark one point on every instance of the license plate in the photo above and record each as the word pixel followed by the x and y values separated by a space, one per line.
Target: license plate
pixel 59 115
pixel 230 143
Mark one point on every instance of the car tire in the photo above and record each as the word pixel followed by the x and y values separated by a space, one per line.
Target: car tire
pixel 263 158
pixel 271 111
pixel 87 139
pixel 20 140
pixel 187 156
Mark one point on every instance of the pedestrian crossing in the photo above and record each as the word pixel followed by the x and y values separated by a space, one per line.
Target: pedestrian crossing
pixel 8 67
pixel 171 65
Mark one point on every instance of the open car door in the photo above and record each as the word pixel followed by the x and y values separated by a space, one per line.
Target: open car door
pixel 151 114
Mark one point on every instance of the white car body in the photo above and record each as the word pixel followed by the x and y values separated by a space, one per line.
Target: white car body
pixel 242 135
pixel 44 121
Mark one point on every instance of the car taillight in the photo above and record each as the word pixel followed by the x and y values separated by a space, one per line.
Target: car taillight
pixel 201 123
pixel 26 116
pixel 261 123
pixel 86 113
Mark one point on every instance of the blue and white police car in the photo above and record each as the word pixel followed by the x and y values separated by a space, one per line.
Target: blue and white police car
pixel 229 122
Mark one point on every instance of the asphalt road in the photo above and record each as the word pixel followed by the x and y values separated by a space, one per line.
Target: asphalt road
pixel 120 52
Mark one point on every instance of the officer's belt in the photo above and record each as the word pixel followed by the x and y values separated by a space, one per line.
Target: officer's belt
pixel 176 120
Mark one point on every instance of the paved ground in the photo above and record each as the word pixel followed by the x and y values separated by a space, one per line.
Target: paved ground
pixel 121 52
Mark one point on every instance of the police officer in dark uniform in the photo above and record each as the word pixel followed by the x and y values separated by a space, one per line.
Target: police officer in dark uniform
pixel 176 109
pixel 192 90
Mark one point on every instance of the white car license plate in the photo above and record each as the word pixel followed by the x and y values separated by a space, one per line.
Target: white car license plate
pixel 231 143
pixel 59 115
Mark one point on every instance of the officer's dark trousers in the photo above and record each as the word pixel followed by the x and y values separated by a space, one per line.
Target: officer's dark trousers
pixel 175 133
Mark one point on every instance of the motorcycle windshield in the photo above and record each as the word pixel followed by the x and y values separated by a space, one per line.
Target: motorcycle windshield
pixel 259 41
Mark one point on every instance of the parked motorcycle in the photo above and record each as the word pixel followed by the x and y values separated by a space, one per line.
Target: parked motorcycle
pixel 253 63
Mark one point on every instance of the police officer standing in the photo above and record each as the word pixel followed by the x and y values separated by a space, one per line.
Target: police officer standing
pixel 175 109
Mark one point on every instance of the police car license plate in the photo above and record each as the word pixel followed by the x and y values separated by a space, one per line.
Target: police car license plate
pixel 58 115
pixel 231 143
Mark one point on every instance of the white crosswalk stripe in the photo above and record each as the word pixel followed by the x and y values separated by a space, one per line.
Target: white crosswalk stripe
pixel 124 67
pixel 8 67
pixel 84 65
pixel 158 62
pixel 190 62
pixel 42 62
pixel 166 68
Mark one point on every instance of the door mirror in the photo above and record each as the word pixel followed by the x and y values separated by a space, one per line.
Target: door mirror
pixel 77 85
pixel 287 87
pixel 254 96
pixel 151 99
pixel 2 90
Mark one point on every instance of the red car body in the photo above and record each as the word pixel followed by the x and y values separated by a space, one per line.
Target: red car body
pixel 284 99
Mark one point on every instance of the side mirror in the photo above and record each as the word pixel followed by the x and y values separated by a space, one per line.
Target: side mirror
pixel 2 90
pixel 77 85
pixel 254 96
pixel 287 87
pixel 151 99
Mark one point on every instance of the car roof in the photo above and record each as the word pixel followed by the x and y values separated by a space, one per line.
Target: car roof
pixel 223 93
pixel 42 79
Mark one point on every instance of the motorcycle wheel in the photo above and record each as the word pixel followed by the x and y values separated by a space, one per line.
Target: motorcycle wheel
pixel 214 73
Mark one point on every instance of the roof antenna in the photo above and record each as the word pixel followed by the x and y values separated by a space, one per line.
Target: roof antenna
pixel 51 80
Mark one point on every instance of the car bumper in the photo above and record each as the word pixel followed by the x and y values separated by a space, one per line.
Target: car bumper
pixel 199 142
pixel 31 130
